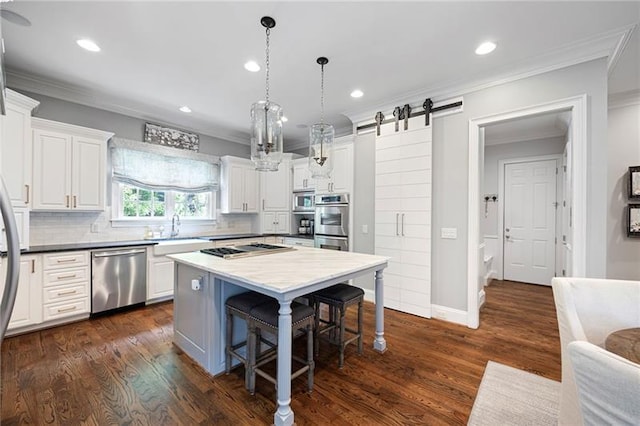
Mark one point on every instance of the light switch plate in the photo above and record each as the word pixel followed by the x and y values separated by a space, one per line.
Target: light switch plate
pixel 449 233
pixel 95 228
pixel 365 229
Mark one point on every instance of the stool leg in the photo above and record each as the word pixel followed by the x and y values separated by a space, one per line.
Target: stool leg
pixel 229 342
pixel 250 373
pixel 360 326
pixel 316 331
pixel 310 357
pixel 341 341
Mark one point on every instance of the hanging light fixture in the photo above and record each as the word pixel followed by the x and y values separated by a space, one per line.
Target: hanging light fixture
pixel 266 121
pixel 321 137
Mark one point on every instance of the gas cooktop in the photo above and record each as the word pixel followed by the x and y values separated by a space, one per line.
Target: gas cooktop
pixel 249 250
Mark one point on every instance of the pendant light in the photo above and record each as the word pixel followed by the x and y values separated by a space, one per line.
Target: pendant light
pixel 266 122
pixel 321 137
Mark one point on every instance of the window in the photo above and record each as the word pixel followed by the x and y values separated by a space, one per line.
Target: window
pixel 135 203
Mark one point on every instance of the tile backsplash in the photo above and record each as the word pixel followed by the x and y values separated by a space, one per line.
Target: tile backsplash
pixel 67 228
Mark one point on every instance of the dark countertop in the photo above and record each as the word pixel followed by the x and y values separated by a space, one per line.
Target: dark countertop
pixel 51 248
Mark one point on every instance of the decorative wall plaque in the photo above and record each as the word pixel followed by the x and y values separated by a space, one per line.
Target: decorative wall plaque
pixel 167 136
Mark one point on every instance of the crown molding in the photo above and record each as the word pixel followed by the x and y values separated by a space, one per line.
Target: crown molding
pixel 21 100
pixel 624 99
pixel 56 126
pixel 610 44
pixel 37 84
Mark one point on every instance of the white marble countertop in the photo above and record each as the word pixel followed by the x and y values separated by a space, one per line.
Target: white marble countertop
pixel 283 272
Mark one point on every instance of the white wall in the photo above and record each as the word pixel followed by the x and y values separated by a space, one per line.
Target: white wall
pixel 450 169
pixel 495 153
pixel 623 142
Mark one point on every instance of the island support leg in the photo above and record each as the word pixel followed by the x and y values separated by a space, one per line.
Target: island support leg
pixel 379 344
pixel 284 414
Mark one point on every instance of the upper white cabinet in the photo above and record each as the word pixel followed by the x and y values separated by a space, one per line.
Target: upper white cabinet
pixel 275 189
pixel 341 179
pixel 21 215
pixel 302 180
pixel 403 217
pixel 15 148
pixel 69 166
pixel 239 190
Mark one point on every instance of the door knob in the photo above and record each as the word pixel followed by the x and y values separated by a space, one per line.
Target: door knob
pixel 507 229
pixel 507 237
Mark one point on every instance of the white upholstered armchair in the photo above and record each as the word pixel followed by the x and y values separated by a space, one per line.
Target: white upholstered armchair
pixel 608 385
pixel 589 310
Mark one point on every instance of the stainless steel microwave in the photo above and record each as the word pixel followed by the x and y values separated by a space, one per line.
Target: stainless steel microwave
pixel 303 202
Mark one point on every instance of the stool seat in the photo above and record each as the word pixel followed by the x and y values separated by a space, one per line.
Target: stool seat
pixel 244 302
pixel 340 293
pixel 267 313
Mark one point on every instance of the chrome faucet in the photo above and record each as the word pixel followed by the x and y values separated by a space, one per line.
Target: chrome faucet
pixel 175 224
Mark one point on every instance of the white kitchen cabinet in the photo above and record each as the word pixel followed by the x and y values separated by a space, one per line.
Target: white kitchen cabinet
pixel 239 190
pixel 66 285
pixel 21 216
pixel 302 180
pixel 27 309
pixel 159 278
pixel 69 167
pixel 275 189
pixel 403 216
pixel 15 148
pixel 275 222
pixel 341 179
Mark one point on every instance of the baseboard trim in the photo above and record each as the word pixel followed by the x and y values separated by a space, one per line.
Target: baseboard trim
pixel 481 298
pixel 449 314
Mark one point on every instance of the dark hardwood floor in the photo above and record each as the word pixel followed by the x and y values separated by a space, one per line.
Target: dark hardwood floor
pixel 123 369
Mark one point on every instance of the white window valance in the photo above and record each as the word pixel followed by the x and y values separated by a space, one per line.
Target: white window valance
pixel 163 168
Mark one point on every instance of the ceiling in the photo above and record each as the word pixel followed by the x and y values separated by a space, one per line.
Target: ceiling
pixel 158 56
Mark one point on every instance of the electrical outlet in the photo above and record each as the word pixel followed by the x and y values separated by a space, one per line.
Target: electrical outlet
pixel 365 229
pixel 95 228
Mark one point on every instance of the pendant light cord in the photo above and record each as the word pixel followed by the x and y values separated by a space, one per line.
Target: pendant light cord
pixel 322 94
pixel 267 65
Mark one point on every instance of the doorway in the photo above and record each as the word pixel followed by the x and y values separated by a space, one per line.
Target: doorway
pixel 576 106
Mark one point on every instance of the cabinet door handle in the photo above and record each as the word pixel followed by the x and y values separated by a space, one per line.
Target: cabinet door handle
pixel 263 204
pixel 397 223
pixel 75 202
pixel 64 293
pixel 33 266
pixel 403 224
pixel 70 308
pixel 67 197
pixel 69 259
pixel 27 188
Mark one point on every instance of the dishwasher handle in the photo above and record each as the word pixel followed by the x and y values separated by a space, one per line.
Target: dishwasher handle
pixel 118 253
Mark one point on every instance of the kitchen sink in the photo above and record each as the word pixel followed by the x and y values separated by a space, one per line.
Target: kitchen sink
pixel 180 246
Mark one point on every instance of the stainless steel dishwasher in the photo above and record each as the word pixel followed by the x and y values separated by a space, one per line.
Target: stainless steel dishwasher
pixel 118 278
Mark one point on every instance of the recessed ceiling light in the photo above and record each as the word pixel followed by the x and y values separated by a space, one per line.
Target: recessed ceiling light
pixel 185 109
pixel 357 93
pixel 252 66
pixel 284 119
pixel 88 45
pixel 486 47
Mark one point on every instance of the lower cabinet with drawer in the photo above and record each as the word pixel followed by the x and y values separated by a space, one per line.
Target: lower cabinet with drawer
pixel 27 309
pixel 66 285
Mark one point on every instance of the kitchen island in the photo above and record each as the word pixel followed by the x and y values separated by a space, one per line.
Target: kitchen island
pixel 204 282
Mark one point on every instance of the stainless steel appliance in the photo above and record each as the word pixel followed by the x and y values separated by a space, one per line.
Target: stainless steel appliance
pixel 303 201
pixel 13 259
pixel 332 221
pixel 249 250
pixel 118 278
pixel 332 215
pixel 332 243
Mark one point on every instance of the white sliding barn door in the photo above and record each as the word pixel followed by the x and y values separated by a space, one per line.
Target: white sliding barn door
pixel 403 215
pixel 530 221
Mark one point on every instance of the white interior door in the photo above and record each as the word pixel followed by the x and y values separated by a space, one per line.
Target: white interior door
pixel 530 221
pixel 567 210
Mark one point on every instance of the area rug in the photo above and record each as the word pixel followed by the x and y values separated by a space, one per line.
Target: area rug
pixel 508 396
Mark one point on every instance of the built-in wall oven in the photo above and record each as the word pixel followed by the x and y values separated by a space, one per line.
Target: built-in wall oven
pixel 332 221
